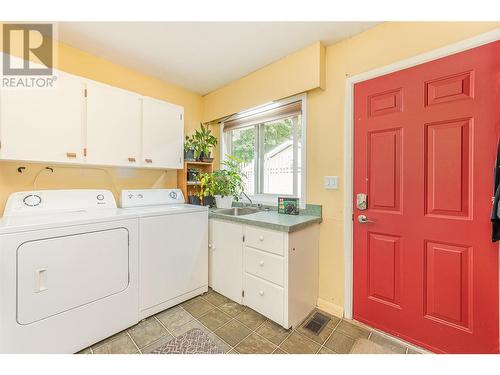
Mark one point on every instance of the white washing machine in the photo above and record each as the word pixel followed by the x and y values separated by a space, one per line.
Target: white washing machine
pixel 173 247
pixel 68 270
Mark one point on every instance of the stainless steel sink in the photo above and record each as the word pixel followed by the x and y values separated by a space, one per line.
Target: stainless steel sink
pixel 237 211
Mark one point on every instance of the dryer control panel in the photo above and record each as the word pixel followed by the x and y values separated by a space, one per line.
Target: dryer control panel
pixel 47 201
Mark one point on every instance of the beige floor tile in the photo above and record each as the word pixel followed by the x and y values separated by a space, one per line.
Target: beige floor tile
pixel 146 332
pixel 298 344
pixel 85 351
pixel 352 330
pixel 364 346
pixel 190 301
pixel 186 327
pixel 156 344
pixel 324 350
pixel 273 332
pixel 121 344
pixel 198 308
pixel 174 318
pixel 232 351
pixel 233 332
pixel 388 343
pixel 340 343
pixel 413 351
pixel 232 308
pixel 279 351
pixel 251 319
pixel 214 319
pixel 215 298
pixel 255 344
pixel 108 339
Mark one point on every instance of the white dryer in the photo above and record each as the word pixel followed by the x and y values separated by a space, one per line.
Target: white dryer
pixel 68 270
pixel 173 247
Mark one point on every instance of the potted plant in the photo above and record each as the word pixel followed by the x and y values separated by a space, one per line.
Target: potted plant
pixel 204 142
pixel 228 182
pixel 206 189
pixel 189 148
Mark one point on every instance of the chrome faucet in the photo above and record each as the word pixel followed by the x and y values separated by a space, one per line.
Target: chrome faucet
pixel 247 197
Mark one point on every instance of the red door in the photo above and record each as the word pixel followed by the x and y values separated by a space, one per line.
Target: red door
pixel 425 140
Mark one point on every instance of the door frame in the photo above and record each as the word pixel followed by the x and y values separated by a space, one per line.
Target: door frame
pixel 350 81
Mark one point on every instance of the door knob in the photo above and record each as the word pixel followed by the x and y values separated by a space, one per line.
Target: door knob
pixel 261 263
pixel 261 238
pixel 261 293
pixel 364 220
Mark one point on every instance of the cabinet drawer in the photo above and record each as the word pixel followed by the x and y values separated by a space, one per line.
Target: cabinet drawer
pixel 264 265
pixel 264 239
pixel 264 297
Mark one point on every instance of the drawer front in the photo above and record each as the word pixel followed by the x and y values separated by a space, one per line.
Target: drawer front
pixel 264 298
pixel 264 239
pixel 264 265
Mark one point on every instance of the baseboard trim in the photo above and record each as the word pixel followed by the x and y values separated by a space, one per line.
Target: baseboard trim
pixel 330 308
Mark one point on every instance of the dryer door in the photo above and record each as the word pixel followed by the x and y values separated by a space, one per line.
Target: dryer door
pixel 58 274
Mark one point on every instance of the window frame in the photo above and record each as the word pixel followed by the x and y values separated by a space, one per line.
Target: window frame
pixel 272 199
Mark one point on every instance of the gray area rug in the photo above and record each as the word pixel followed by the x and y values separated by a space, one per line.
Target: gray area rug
pixel 194 341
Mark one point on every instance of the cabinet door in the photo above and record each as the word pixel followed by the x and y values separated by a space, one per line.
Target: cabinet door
pixel 43 124
pixel 226 258
pixel 113 131
pixel 162 134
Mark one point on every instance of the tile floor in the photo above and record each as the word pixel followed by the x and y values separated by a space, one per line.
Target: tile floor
pixel 240 330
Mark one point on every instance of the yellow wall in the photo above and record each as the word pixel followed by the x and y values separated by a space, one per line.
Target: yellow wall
pixel 298 72
pixel 86 65
pixel 380 46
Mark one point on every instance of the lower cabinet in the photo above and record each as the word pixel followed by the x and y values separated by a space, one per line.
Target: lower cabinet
pixel 272 272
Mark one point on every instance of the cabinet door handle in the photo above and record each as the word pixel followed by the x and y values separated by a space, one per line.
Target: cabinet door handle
pixel 261 293
pixel 132 160
pixel 148 160
pixel 71 155
pixel 261 263
pixel 261 238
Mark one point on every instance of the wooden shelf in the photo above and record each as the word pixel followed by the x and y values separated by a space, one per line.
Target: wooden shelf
pixel 197 163
pixel 191 187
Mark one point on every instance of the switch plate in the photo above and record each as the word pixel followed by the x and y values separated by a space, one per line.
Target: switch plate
pixel 331 182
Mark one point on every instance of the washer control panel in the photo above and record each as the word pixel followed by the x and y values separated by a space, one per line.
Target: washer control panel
pixel 150 197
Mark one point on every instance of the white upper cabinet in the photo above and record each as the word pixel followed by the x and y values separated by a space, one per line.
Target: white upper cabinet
pixel 113 126
pixel 43 124
pixel 162 134
pixel 80 121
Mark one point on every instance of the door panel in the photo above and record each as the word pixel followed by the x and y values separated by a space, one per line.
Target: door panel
pixel 162 134
pixel 113 126
pixel 59 274
pixel 43 124
pixel 226 258
pixel 424 149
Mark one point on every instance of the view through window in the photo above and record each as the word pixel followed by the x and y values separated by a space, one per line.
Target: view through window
pixel 269 144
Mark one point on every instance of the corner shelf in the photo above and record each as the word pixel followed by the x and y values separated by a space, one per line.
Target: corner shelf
pixel 191 187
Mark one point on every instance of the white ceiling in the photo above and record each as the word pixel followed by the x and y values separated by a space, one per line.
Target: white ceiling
pixel 201 56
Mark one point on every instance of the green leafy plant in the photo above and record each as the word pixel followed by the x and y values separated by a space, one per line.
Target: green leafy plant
pixel 189 143
pixel 229 181
pixel 206 187
pixel 203 141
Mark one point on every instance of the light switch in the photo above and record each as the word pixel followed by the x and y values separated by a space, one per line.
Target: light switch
pixel 331 182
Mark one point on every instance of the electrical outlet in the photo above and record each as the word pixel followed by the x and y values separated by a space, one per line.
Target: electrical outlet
pixel 331 182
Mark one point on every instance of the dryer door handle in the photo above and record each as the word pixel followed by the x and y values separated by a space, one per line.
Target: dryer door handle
pixel 41 280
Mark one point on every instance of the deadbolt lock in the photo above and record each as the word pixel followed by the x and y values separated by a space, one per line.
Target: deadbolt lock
pixel 361 201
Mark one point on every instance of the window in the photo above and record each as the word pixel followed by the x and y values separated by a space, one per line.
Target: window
pixel 269 140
